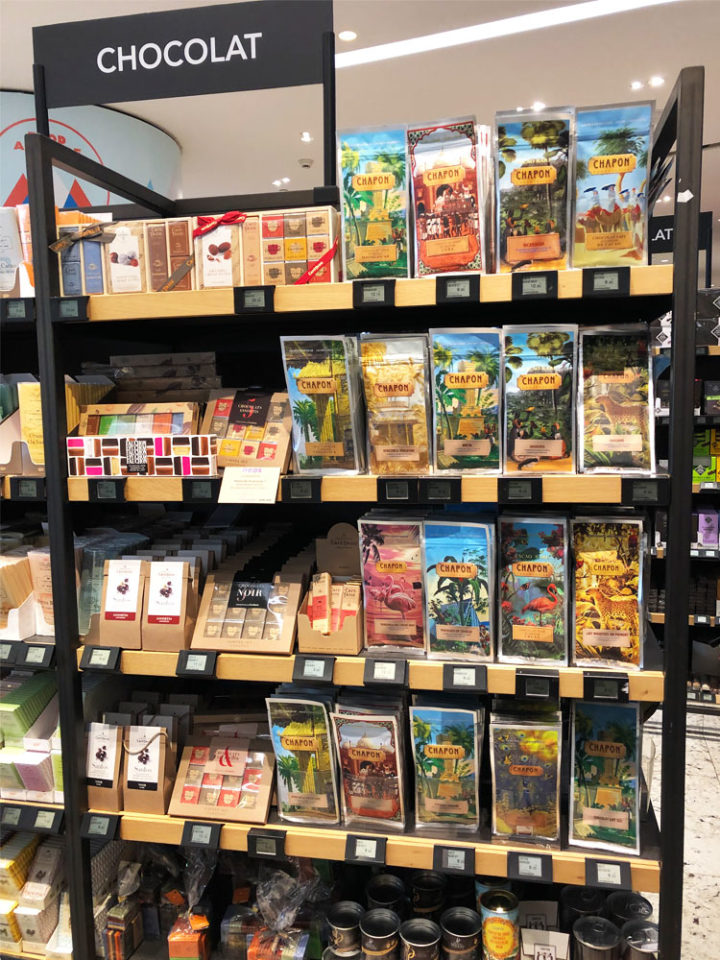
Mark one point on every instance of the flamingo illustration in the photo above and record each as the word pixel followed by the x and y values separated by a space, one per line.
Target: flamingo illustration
pixel 543 604
pixel 395 596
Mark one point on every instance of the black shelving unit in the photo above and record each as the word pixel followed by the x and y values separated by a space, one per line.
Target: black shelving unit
pixel 680 128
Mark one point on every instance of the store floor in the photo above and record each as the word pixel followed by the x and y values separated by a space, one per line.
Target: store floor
pixel 701 894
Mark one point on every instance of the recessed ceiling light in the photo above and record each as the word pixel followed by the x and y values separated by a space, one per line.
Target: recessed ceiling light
pixel 666 199
pixel 519 109
pixel 656 81
pixel 538 105
pixel 637 85
pixel 286 180
pixel 277 183
pixel 347 36
pixel 306 137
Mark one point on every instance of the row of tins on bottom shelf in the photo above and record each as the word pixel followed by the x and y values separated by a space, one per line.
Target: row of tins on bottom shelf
pixel 401 850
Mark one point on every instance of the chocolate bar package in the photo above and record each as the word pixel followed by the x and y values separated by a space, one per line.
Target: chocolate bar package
pixel 373 177
pixel 608 595
pixel 253 428
pixel 443 165
pixel 390 554
pixel 292 245
pixel 459 589
pixel 525 754
pixel 125 259
pixel 605 795
pixel 447 744
pixel 322 375
pixel 616 428
pixel 533 204
pixel 395 380
pixel 533 590
pixel 611 183
pixel 539 406
pixel 138 419
pixel 169 244
pixel 466 373
pixel 302 742
pixel 155 456
pixel 218 256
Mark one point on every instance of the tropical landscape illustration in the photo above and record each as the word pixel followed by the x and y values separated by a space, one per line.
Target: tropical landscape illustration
pixel 392 583
pixel 446 764
pixel 605 777
pixel 526 767
pixel 367 748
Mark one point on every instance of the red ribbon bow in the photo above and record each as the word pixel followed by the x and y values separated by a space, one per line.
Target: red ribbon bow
pixel 208 224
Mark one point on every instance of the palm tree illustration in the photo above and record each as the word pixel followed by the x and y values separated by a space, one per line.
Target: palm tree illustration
pixel 549 345
pixel 372 538
pixel 289 770
pixel 621 140
pixel 394 163
pixel 462 736
pixel 625 734
pixel 426 767
pixel 443 358
pixel 350 161
pixel 486 361
pixel 552 138
pixel 305 414
pixel 583 733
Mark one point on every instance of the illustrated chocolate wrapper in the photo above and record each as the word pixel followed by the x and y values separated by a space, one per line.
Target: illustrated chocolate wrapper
pixel 525 765
pixel 611 183
pixel 395 381
pixel 322 377
pixel 371 765
pixel 608 594
pixel 533 205
pixel 605 796
pixel 466 373
pixel 539 398
pixel 302 742
pixel 459 590
pixel 616 427
pixel 391 561
pixel 373 175
pixel 446 748
pixel 533 591
pixel 443 166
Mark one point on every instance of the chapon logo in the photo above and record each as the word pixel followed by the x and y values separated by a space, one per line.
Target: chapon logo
pixel 295 742
pixel 317 385
pixel 366 753
pixel 613 163
pixel 606 568
pixel 461 571
pixel 391 566
pixel 605 748
pixel 468 381
pixel 540 381
pixel 394 388
pixel 444 175
pixel 533 175
pixel 525 770
pixel 373 181
pixel 528 568
pixel 444 751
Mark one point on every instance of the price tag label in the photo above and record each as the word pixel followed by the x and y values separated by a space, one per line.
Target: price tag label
pixel 465 678
pixel 368 850
pixel 652 492
pixel 306 490
pixel 249 485
pixel 609 873
pixel 397 491
pixel 259 299
pixel 100 658
pixel 457 289
pixel 99 826
pixel 440 489
pixel 525 490
pixel 200 491
pixel 535 286
pixel 538 686
pixel 315 669
pixel 16 310
pixel 11 816
pixel 530 866
pixel 7 652
pixel 598 686
pixel 393 672
pixel 457 860
pixel 612 874
pixel 190 663
pixel 300 490
pixel 46 820
pixel 266 844
pixel 200 834
pixel 385 671
pixel 27 488
pixel 373 293
pixel 606 282
pixel 36 655
pixel 106 491
pixel 106 659
pixel 69 309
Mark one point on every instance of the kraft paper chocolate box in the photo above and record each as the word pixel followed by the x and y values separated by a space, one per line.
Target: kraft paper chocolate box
pixel 533 199
pixel 218 256
pixel 612 147
pixel 104 757
pixel 252 429
pixel 122 603
pixel 139 419
pixel 125 258
pixel 81 265
pixel 158 456
pixel 169 606
pixel 444 178
pixel 286 246
pixel 169 246
pixel 373 175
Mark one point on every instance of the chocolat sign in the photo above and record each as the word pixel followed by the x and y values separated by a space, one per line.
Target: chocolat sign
pixel 182 53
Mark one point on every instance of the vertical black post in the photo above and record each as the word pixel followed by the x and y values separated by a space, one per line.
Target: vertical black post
pixel 329 111
pixel 62 559
pixel 42 121
pixel 689 122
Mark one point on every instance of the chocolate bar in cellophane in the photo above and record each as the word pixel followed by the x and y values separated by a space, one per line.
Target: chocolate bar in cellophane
pixel 448 224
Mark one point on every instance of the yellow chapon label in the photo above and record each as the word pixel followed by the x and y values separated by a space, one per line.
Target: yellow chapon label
pixel 391 566
pixel 296 742
pixel 532 175
pixel 602 748
pixel 532 568
pixel 373 181
pixel 625 376
pixel 317 384
pixel 366 753
pixel 468 381
pixel 444 175
pixel 461 571
pixel 606 568
pixel 525 770
pixel 394 388
pixel 500 937
pixel 444 751
pixel 613 163
pixel 542 380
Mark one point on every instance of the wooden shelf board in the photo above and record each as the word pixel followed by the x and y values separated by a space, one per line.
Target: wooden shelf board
pixel 655 617
pixel 4 801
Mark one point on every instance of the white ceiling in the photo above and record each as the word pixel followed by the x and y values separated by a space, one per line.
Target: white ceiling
pixel 240 143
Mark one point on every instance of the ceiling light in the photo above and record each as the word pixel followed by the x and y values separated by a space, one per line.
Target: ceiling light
pixel 656 81
pixel 637 85
pixel 305 137
pixel 285 180
pixel 572 13
pixel 666 199
pixel 347 36
pixel 537 106
pixel 277 183
pixel 519 109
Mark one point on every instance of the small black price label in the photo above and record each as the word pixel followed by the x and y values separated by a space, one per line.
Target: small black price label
pixel 707 696
pixel 393 673
pixel 610 874
pixel 606 282
pixel 11 816
pixel 69 308
pixel 397 491
pixel 537 285
pixel 259 299
pixel 99 826
pixel 611 689
pixel 524 490
pixel 471 678
pixel 309 669
pixel 27 488
pixel 646 492
pixel 45 821
pixel 39 656
pixel 540 685
pixel 440 489
pixel 367 850
pixel 197 833
pixel 200 491
pixel 457 289
pixel 18 309
pixel 105 659
pixel 301 489
pixel 106 491
pixel 530 866
pixel 196 663
pixel 454 860
pixel 370 294
pixel 8 652
pixel 266 844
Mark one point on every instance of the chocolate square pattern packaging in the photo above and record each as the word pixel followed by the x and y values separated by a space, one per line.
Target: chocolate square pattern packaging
pixel 466 372
pixel 533 199
pixel 611 184
pixel 539 398
pixel 443 165
pixel 373 175
pixel 609 602
pixel 125 259
pixel 616 428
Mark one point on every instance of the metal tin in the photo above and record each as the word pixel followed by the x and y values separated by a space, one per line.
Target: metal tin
pixel 427 891
pixel 460 892
pixel 576 902
pixel 596 938
pixel 385 891
pixel 379 932
pixel 420 940
pixel 344 922
pixel 461 933
pixel 483 884
pixel 623 906
pixel 329 954
pixel 640 940
pixel 500 928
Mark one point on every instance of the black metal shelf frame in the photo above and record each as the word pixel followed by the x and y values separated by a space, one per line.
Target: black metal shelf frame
pixel 679 126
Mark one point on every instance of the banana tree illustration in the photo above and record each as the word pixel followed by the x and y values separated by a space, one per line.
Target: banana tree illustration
pixel 513 359
pixel 350 161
